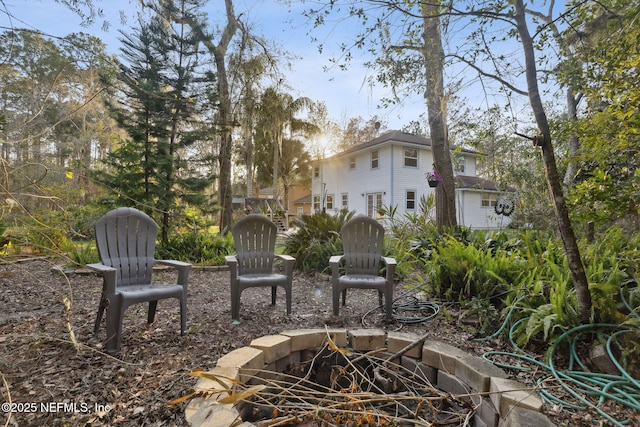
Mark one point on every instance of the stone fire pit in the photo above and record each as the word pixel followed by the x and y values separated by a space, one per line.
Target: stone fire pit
pixel 497 400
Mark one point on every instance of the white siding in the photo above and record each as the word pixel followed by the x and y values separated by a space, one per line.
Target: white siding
pixel 472 214
pixel 409 178
pixel 393 179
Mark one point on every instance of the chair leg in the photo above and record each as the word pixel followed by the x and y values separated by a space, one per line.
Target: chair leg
pixel 152 311
pixel 335 296
pixel 235 303
pixel 344 297
pixel 288 292
pixel 114 327
pixel 274 291
pixel 183 315
pixel 388 303
pixel 104 302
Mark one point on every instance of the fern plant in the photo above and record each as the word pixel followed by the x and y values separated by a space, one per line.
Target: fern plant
pixel 316 240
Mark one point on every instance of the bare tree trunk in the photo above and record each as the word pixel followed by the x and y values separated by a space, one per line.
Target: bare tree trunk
pixel 248 138
pixel 543 140
pixel 225 121
pixel 433 54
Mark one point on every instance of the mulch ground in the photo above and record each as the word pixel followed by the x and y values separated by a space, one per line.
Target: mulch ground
pixel 52 381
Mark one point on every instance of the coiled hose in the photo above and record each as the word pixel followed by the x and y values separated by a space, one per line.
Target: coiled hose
pixel 590 389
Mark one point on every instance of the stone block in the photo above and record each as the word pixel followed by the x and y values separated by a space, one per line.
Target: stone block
pixel 367 339
pixel 506 394
pixel 248 360
pixel 396 341
pixel 522 417
pixel 451 384
pixel 274 347
pixel 477 372
pixel 487 413
pixel 287 362
pixel 303 339
pixel 428 373
pixel 338 335
pixel 441 356
pixel 225 377
pixel 209 415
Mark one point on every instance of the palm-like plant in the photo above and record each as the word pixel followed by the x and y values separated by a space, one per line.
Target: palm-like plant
pixel 277 124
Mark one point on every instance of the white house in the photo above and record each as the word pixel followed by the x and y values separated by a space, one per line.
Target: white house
pixel 391 169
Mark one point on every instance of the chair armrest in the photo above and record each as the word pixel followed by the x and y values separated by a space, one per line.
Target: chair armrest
pixel 389 261
pixel 334 263
pixel 183 269
pixel 335 259
pixel 109 277
pixel 232 262
pixel 391 267
pixel 286 258
pixel 288 262
pixel 101 268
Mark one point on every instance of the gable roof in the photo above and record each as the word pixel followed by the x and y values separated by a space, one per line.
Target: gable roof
pixel 477 183
pixel 303 200
pixel 394 136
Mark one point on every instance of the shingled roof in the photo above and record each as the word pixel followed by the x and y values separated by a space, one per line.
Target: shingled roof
pixel 477 183
pixel 392 136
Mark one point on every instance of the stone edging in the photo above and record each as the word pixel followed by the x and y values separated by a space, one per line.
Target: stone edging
pixel 507 403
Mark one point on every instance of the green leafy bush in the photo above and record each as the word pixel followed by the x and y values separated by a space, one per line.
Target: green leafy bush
pixel 81 253
pixel 197 248
pixel 317 239
pixel 44 239
pixel 460 271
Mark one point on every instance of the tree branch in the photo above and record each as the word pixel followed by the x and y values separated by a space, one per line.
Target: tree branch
pixel 492 76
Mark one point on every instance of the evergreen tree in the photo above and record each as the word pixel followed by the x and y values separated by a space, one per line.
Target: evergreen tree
pixel 164 93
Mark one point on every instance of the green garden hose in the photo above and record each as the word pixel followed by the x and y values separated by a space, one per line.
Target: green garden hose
pixel 582 385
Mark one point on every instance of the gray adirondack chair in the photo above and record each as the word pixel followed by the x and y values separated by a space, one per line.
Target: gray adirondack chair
pixel 126 241
pixel 362 241
pixel 254 238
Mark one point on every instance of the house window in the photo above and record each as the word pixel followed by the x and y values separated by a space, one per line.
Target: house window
pixel 352 163
pixel 489 200
pixel 374 159
pixel 411 157
pixel 458 164
pixel 316 203
pixel 411 200
pixel 316 171
pixel 374 203
pixel 300 211
pixel 345 201
pixel 329 201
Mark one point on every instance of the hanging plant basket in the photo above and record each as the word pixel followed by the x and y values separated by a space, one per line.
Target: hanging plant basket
pixel 433 177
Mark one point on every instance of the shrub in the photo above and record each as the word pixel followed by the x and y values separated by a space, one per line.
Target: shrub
pixel 197 248
pixel 81 253
pixel 460 271
pixel 317 239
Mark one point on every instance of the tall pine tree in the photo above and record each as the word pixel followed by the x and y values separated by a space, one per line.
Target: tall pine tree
pixel 163 92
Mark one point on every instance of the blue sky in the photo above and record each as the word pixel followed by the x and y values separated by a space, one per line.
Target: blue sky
pixel 345 93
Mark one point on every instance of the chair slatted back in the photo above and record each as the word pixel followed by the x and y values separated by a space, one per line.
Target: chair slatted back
pixel 254 238
pixel 362 242
pixel 126 240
